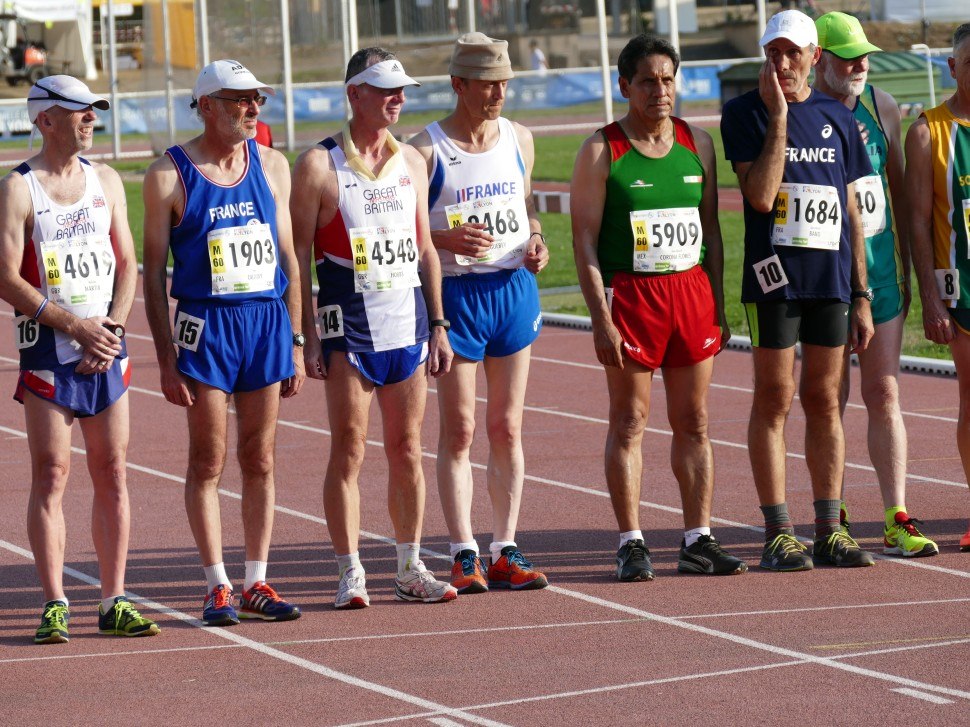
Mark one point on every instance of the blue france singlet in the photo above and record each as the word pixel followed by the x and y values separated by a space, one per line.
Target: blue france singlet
pixel 808 230
pixel 225 246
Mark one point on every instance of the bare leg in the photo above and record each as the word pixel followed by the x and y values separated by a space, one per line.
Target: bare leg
pixel 456 408
pixel 774 389
pixel 629 390
pixel 256 414
pixel 106 441
pixel 824 439
pixel 207 458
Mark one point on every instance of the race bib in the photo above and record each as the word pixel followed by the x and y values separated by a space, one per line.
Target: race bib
pixel 807 215
pixel 331 321
pixel 948 283
pixel 666 240
pixel 188 331
pixel 770 274
pixel 79 270
pixel 871 199
pixel 385 258
pixel 26 331
pixel 505 219
pixel 243 259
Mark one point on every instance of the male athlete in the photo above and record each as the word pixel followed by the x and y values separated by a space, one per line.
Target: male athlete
pixel 798 155
pixel 219 203
pixel 938 191
pixel 489 239
pixel 68 267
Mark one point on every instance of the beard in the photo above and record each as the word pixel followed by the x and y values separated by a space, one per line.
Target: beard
pixel 841 85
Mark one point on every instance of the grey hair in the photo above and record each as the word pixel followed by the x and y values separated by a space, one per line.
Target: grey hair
pixel 365 58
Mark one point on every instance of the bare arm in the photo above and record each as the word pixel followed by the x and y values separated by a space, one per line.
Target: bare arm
pixel 589 185
pixel 892 123
pixel 439 349
pixel 860 328
pixel 278 174
pixel 163 200
pixel 918 185
pixel 315 195
pixel 714 256
pixel 759 180
pixel 537 253
pixel 15 209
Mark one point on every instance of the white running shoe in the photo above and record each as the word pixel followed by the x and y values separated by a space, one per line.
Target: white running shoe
pixel 352 591
pixel 419 584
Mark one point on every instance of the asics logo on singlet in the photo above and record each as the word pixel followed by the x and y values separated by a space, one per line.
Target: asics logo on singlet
pixel 640 183
pixel 827 131
pixel 537 322
pixel 816 154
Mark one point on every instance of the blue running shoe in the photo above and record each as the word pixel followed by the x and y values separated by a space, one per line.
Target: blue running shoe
pixel 217 609
pixel 262 602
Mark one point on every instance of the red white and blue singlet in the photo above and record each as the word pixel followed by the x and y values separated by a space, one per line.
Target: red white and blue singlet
pixel 367 262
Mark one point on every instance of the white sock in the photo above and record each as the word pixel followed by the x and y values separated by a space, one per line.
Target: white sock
pixel 495 548
pixel 216 574
pixel 348 561
pixel 108 603
pixel 62 599
pixel 407 556
pixel 456 548
pixel 630 535
pixel 693 535
pixel 255 572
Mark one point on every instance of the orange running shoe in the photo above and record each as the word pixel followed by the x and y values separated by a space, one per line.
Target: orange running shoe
pixel 965 542
pixel 467 574
pixel 513 571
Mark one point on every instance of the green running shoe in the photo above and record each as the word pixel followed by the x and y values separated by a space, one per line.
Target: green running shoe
pixel 53 624
pixel 904 538
pixel 123 620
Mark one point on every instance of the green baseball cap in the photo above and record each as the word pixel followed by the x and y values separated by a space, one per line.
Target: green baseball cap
pixel 842 35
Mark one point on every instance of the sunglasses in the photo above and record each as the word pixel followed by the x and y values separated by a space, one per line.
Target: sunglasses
pixel 242 101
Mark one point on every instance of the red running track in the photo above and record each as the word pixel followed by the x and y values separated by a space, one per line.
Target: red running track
pixel 881 645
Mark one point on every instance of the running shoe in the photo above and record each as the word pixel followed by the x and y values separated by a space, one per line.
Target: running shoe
pixel 467 573
pixel 53 624
pixel 839 549
pixel 352 590
pixel 633 562
pixel 419 584
pixel 706 556
pixel 513 571
pixel 844 516
pixel 965 542
pixel 217 609
pixel 785 553
pixel 904 538
pixel 123 620
pixel 263 602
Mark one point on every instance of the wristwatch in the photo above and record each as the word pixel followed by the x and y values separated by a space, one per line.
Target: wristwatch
pixel 867 294
pixel 299 340
pixel 443 322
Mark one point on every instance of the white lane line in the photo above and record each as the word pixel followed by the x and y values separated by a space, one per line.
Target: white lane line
pixel 336 639
pixel 812 609
pixel 923 695
pixel 267 650
pixel 740 389
pixel 587 692
pixel 769 648
pixel 411 699
pixel 444 722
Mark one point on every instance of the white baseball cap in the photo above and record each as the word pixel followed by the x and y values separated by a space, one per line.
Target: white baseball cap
pixel 65 91
pixel 794 25
pixel 226 74
pixel 386 74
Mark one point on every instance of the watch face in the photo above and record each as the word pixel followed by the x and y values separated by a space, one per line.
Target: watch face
pixel 299 339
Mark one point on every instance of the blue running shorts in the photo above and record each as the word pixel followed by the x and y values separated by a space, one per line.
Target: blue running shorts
pixel 386 367
pixel 491 314
pixel 84 395
pixel 235 347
